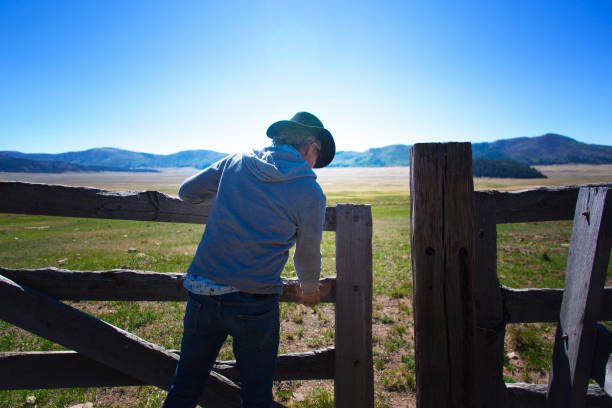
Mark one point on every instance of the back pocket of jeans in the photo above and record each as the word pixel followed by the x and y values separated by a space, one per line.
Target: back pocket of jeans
pixel 259 328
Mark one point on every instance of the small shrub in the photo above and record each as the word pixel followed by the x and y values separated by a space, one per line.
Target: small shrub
pixel 320 398
pixel 392 344
pixel 399 380
pixel 409 362
pixel 400 292
pixel 386 319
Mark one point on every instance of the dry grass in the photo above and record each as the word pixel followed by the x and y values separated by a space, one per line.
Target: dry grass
pixel 333 179
pixel 166 181
pixel 558 175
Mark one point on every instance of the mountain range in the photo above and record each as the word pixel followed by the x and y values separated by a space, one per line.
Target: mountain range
pixel 13 164
pixel 125 159
pixel 546 149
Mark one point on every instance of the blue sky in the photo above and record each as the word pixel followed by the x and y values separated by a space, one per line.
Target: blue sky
pixel 161 77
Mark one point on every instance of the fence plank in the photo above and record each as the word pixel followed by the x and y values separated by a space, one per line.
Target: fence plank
pixel 535 305
pixel 586 272
pixel 490 321
pixel 309 365
pixel 48 199
pixel 442 253
pixel 68 369
pixel 522 395
pixel 125 284
pixel 354 382
pixel 538 204
pixel 100 341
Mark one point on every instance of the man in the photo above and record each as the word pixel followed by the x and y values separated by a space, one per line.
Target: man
pixel 266 201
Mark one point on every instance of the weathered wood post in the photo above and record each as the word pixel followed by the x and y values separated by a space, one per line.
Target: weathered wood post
pixel 442 238
pixel 354 381
pixel 587 263
pixel 488 302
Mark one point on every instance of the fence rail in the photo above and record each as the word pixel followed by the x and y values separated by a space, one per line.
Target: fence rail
pixel 522 395
pixel 64 369
pixel 538 204
pixel 535 305
pixel 87 202
pixel 124 284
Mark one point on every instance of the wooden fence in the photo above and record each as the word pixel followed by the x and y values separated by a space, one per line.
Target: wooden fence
pixel 105 355
pixel 461 310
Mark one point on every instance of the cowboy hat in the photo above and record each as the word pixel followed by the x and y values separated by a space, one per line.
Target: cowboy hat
pixel 309 122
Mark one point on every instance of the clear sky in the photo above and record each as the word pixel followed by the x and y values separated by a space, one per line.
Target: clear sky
pixel 166 76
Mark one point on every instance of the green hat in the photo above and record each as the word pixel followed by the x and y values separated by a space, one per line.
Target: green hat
pixel 309 122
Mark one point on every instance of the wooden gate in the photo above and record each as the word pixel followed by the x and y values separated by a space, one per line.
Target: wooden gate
pixel 461 310
pixel 105 355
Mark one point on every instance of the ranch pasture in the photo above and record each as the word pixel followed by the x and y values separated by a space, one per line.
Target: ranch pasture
pixel 529 255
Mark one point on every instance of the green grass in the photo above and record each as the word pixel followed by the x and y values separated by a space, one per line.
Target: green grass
pixel 533 254
pixel 92 244
pixel 533 346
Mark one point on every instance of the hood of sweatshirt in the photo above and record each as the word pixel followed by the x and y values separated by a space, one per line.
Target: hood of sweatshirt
pixel 274 164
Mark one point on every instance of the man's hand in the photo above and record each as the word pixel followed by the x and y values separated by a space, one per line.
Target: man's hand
pixel 313 299
pixel 310 299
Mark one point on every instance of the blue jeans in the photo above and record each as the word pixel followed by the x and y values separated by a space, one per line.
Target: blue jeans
pixel 252 321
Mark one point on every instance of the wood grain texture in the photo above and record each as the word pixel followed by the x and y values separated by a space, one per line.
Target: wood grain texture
pixel 587 264
pixel 430 330
pixel 354 382
pixel 309 365
pixel 538 204
pixel 125 284
pixel 443 266
pixel 541 305
pixel 459 285
pixel 46 317
pixel 490 321
pixel 522 395
pixel 48 199
pixel 68 369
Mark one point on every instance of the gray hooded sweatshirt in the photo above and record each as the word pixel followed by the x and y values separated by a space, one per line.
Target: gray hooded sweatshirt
pixel 266 201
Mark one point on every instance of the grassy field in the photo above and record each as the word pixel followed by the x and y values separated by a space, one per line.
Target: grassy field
pixel 529 255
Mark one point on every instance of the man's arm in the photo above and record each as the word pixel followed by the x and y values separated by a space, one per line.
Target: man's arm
pixel 203 185
pixel 307 256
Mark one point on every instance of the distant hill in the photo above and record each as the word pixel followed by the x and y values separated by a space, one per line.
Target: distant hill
pixel 503 168
pixel 104 156
pixel 187 158
pixel 547 149
pixel 17 165
pixel 394 155
pixel 126 159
